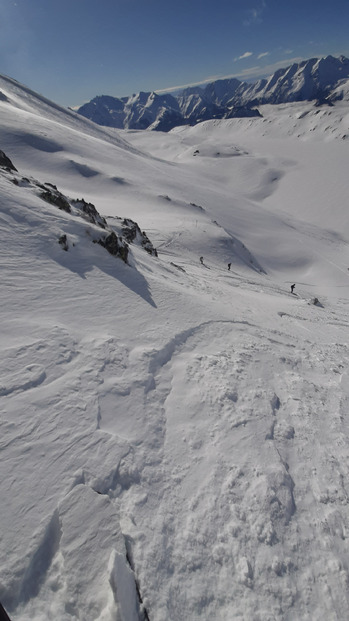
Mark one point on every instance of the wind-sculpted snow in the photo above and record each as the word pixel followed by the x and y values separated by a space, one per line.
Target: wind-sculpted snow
pixel 66 496
pixel 238 459
pixel 226 422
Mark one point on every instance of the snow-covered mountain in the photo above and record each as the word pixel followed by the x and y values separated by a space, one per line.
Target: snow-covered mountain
pixel 140 111
pixel 306 81
pixel 314 79
pixel 174 432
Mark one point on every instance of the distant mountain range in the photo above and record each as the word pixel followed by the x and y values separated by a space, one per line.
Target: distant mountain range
pixel 322 80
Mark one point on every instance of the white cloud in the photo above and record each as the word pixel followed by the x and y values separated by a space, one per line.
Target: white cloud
pixel 245 55
pixel 263 54
pixel 191 84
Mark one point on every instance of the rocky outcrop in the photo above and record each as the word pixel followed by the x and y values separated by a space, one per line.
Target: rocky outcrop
pixel 132 233
pixel 89 212
pixel 241 112
pixel 117 234
pixel 5 162
pixel 115 245
pixel 54 197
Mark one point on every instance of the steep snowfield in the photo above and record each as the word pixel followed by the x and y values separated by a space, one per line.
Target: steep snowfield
pixel 174 435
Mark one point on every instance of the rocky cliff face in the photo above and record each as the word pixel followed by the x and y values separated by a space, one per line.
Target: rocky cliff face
pixel 314 79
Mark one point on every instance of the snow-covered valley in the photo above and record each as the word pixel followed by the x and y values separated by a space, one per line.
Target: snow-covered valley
pixel 174 434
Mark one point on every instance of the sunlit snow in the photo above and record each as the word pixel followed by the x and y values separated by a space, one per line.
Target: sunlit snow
pixel 174 434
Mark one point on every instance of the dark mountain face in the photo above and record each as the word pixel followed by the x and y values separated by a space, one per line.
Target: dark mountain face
pixel 221 91
pixel 105 110
pixel 313 79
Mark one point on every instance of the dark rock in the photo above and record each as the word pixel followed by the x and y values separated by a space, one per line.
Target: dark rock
pixel 63 242
pixel 5 162
pixel 90 212
pixel 116 247
pixel 240 112
pixel 57 199
pixel 132 232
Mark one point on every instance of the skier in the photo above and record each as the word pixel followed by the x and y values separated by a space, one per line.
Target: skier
pixel 292 287
pixel 229 265
pixel 202 260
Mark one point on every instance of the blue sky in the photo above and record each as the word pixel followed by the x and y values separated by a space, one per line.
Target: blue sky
pixel 72 50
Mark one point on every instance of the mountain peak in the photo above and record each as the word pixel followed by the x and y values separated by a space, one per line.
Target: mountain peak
pixel 312 79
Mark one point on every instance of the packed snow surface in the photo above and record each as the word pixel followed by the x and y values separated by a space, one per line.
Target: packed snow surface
pixel 174 434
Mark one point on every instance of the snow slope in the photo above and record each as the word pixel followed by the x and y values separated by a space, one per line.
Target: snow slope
pixel 174 435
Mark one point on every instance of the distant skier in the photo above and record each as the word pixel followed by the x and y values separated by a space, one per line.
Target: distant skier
pixel 202 260
pixel 292 287
pixel 229 266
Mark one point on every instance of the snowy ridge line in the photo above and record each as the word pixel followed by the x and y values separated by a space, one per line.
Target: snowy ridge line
pixel 18 96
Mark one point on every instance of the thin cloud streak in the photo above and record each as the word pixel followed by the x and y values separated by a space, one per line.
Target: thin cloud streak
pixel 251 73
pixel 245 55
pixel 257 71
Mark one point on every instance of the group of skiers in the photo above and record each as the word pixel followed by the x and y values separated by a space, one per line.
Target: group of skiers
pixel 229 266
pixel 202 262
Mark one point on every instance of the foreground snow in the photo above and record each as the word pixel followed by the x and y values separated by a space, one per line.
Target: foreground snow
pixel 174 435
